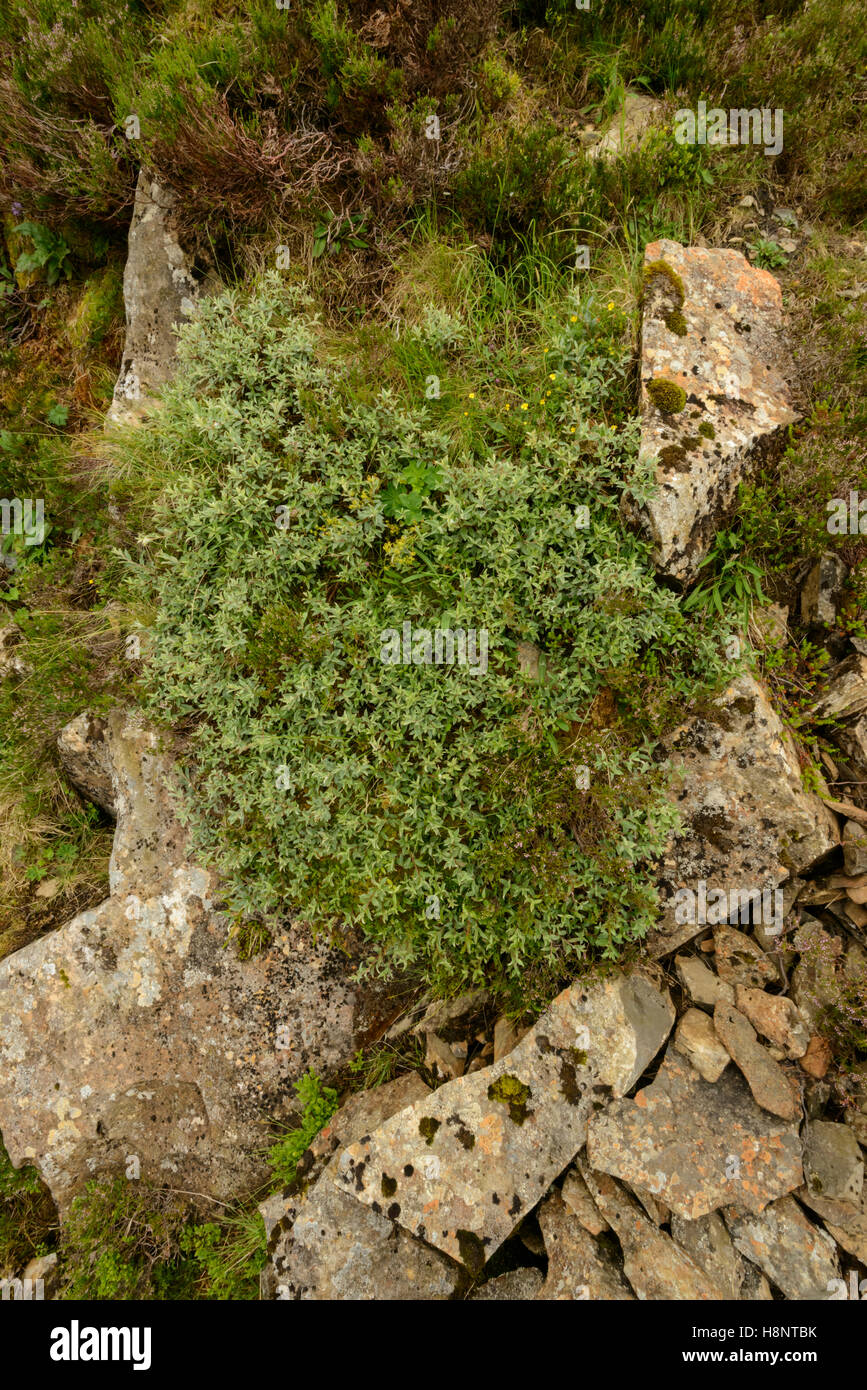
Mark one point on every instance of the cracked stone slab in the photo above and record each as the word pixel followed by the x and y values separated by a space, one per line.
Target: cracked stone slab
pixel 696 1145
pixel 797 1256
pixel 322 1245
pixel 462 1168
pixel 712 327
pixel 579 1267
pixel 133 1032
pixel 748 824
pixel 654 1264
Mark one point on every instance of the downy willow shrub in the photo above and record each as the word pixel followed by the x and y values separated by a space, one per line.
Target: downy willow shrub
pixel 438 810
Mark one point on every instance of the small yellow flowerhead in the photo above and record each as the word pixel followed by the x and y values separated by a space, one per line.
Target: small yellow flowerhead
pixel 574 318
pixel 552 376
pixel 472 396
pixel 524 405
pixel 611 305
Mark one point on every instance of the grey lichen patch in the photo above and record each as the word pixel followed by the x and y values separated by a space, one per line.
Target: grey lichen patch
pixel 667 396
pixel 509 1091
pixel 427 1128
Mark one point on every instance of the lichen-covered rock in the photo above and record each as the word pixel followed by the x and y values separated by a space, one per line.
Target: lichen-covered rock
pixel 822 589
pixel 833 1162
pixel 846 1222
pixel 322 1245
pixel 700 983
pixel 132 1040
pixel 579 1267
pixel 466 1165
pixel 709 1245
pixel 519 1284
pixel 769 1084
pixel 654 1264
pixel 696 1039
pixel 696 1145
pixel 159 292
pixel 748 824
pixel 83 752
pixel 776 1018
pixel 712 335
pixel 797 1256
pixel 741 961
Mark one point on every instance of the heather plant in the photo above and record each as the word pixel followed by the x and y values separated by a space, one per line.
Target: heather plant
pixel 462 823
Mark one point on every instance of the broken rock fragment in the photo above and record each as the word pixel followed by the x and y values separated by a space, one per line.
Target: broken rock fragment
pixel 324 1246
pixel 696 1145
pixel 776 1018
pixel 714 398
pixel 467 1164
pixel 579 1267
pixel 769 1084
pixel 654 1264
pixel 797 1256
pixel 748 824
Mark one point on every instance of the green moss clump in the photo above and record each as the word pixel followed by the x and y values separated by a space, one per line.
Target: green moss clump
pixel 707 429
pixel 427 1128
pixel 666 395
pixel 672 456
pixel 676 323
pixel 508 1090
pixel 663 268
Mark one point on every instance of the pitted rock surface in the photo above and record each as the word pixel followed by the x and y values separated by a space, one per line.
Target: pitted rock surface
pixel 133 1031
pixel 696 1145
pixel 748 823
pixel 464 1167
pixel 712 326
pixel 159 292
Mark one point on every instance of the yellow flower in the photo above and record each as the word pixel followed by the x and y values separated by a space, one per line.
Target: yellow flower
pixel 552 376
pixel 508 407
pixel 574 318
pixel 571 429
pixel 611 305
pixel 466 412
pixel 524 405
pixel 472 396
pixel 546 349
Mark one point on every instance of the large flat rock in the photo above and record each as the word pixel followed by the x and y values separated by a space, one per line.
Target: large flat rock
pixel 463 1167
pixel 748 824
pixel 697 1145
pixel 712 327
pixel 134 1033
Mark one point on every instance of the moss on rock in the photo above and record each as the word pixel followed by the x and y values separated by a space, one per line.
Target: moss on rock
pixel 666 395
